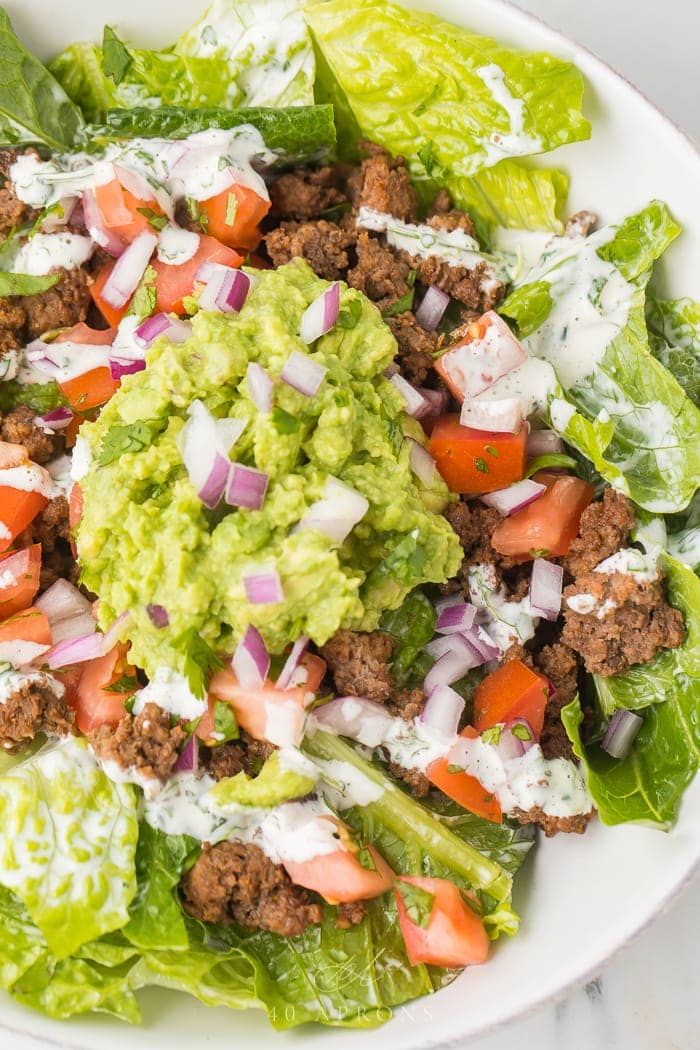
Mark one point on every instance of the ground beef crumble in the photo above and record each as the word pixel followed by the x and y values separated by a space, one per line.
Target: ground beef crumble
pixel 350 913
pixel 474 523
pixel 306 193
pixel 379 272
pixel 243 755
pixel 416 347
pixel 50 528
pixel 360 663
pixel 14 213
pixel 383 184
pixel 575 825
pixel 145 742
pixel 604 529
pixel 62 306
pixel 237 882
pixel 18 426
pixel 324 245
pixel 33 708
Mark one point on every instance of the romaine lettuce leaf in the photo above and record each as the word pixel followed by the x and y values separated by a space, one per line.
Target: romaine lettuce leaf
pixel 674 337
pixel 647 785
pixel 155 915
pixel 412 626
pixel 583 306
pixel 684 535
pixel 273 785
pixel 448 100
pixel 512 195
pixel 67 842
pixel 265 45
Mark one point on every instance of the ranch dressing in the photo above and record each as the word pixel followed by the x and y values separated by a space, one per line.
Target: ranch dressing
pixel 516 141
pixel 505 622
pixel 45 252
pixel 171 692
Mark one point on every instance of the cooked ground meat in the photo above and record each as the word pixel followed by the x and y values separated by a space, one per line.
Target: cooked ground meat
pixel 417 781
pixel 581 223
pixel 245 755
pixel 476 287
pixel 12 321
pixel 637 622
pixel 19 427
pixel 408 703
pixel 604 529
pixel 452 219
pixel 323 244
pixel 13 211
pixel 147 742
pixel 560 665
pixel 383 184
pixel 305 194
pixel 379 272
pixel 33 708
pixel 360 663
pixel 50 528
pixel 551 825
pixel 237 882
pixel 62 306
pixel 416 346
pixel 474 523
pixel 350 913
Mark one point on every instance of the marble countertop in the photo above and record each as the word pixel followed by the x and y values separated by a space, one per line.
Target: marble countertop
pixel 646 998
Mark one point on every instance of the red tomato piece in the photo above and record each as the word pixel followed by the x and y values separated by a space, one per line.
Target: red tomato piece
pixel 20 572
pixel 339 877
pixel 546 527
pixel 119 209
pixel 83 333
pixel 94 703
pixel 174 283
pixel 18 509
pixel 111 314
pixel 488 351
pixel 511 691
pixel 233 216
pixel 30 625
pixel 454 935
pixel 472 461
pixel 89 390
pixel 463 788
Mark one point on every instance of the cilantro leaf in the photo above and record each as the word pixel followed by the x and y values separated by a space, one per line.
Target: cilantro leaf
pixel 350 315
pixel 200 660
pixel 25 284
pixel 116 58
pixel 283 422
pixel 551 459
pixel 144 302
pixel 158 222
pixel 128 437
pixel 125 684
pixel 417 902
pixel 401 305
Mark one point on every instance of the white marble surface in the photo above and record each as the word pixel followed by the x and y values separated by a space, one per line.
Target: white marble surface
pixel 647 997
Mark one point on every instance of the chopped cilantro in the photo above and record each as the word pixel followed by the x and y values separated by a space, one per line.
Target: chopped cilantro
pixel 492 735
pixel 538 552
pixel 401 305
pixel 125 684
pixel 128 437
pixel 231 209
pixel 417 902
pixel 350 315
pixel 521 732
pixel 551 459
pixel 283 422
pixel 144 302
pixel 431 97
pixel 492 451
pixel 481 465
pixel 432 165
pixel 199 660
pixel 158 222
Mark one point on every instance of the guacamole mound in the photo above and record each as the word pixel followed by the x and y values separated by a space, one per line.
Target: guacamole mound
pixel 146 539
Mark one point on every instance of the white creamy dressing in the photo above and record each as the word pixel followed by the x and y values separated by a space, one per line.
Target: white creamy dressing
pixel 632 562
pixel 685 547
pixel 505 622
pixel 45 252
pixel 516 141
pixel 12 679
pixel 414 745
pixel 531 384
pixel 125 345
pixel 81 459
pixel 556 785
pixel 26 175
pixel 583 603
pixel 526 246
pixel 29 478
pixel 346 786
pixel 561 413
pixel 177 246
pixel 68 360
pixel 131 775
pixel 171 692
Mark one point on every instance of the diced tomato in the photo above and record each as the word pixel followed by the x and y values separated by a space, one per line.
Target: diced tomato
pixel 119 209
pixel 511 691
pixel 111 314
pixel 488 351
pixel 19 579
pixel 233 216
pixel 340 877
pixel 173 283
pixel 474 461
pixel 464 788
pixel 83 333
pixel 18 508
pixel 72 429
pixel 95 387
pixel 546 527
pixel 454 935
pixel 94 703
pixel 75 506
pixel 254 707
pixel 12 455
pixel 30 625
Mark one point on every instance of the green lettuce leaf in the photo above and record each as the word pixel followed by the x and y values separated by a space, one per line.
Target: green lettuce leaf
pixel 67 842
pixel 155 915
pixel 448 100
pixel 647 786
pixel 412 626
pixel 508 844
pixel 265 45
pixel 684 535
pixel 653 451
pixel 297 134
pixel 674 337
pixel 512 195
pixel 41 397
pixel 273 785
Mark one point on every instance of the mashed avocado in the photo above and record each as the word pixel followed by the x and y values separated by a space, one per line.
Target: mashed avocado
pixel 145 537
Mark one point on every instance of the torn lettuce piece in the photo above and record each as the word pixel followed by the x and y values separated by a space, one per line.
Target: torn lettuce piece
pixel 265 45
pixel 582 309
pixel 448 100
pixel 647 786
pixel 156 920
pixel 67 844
pixel 684 536
pixel 284 776
pixel 674 338
pixel 513 196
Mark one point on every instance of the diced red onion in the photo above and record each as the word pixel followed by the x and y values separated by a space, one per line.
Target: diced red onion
pixel 500 415
pixel 449 668
pixel 21 652
pixel 74 627
pixel 141 188
pixel 188 760
pixel 321 315
pixel 128 270
pixel 432 308
pixel 337 513
pixel 476 364
pixel 263 587
pixel 543 443
pixel 251 660
pixel 546 588
pixel 416 405
pixel 58 419
pixel 455 618
pixel 515 497
pixel 105 238
pixel 482 643
pixel 621 733
pixel 62 601
pixel 149 330
pixel 204 454
pixel 122 366
pixel 510 744
pixel 453 643
pixel 422 463
pixel 438 400
pixel 363 720
pixel 226 289
pixel 287 676
pixel 443 710
pixel 259 387
pixel 113 635
pixel 75 651
pixel 246 487
pixel 302 373
pixel 214 484
pixel 158 615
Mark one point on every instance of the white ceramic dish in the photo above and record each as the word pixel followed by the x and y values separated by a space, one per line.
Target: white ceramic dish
pixel 581 898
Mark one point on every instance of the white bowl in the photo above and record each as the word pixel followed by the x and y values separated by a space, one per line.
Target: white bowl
pixel 580 899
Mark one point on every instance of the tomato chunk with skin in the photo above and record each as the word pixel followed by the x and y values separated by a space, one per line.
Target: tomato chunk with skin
pixel 488 351
pixel 463 788
pixel 511 691
pixel 476 461
pixel 111 314
pixel 233 216
pixel 119 209
pixel 174 283
pixel 89 390
pixel 547 527
pixel 454 934
pixel 30 625
pixel 18 508
pixel 20 573
pixel 94 703
pixel 340 877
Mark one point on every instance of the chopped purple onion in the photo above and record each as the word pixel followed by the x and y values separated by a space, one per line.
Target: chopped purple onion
pixel 158 615
pixel 287 676
pixel 203 444
pixel 263 587
pixel 543 443
pixel 113 635
pixel 422 464
pixel 546 589
pixel 454 619
pixel 251 660
pixel 621 733
pixel 302 373
pixel 215 482
pixel 57 419
pixel 226 289
pixel 246 487
pixel 416 405
pixel 432 308
pixel 123 366
pixel 76 650
pixel 128 270
pixel 515 497
pixel 516 738
pixel 482 643
pixel 363 720
pixel 188 760
pixel 498 415
pixel 337 513
pixel 259 387
pixel 438 400
pixel 149 330
pixel 443 710
pixel 448 669
pixel 321 315
pixel 101 235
